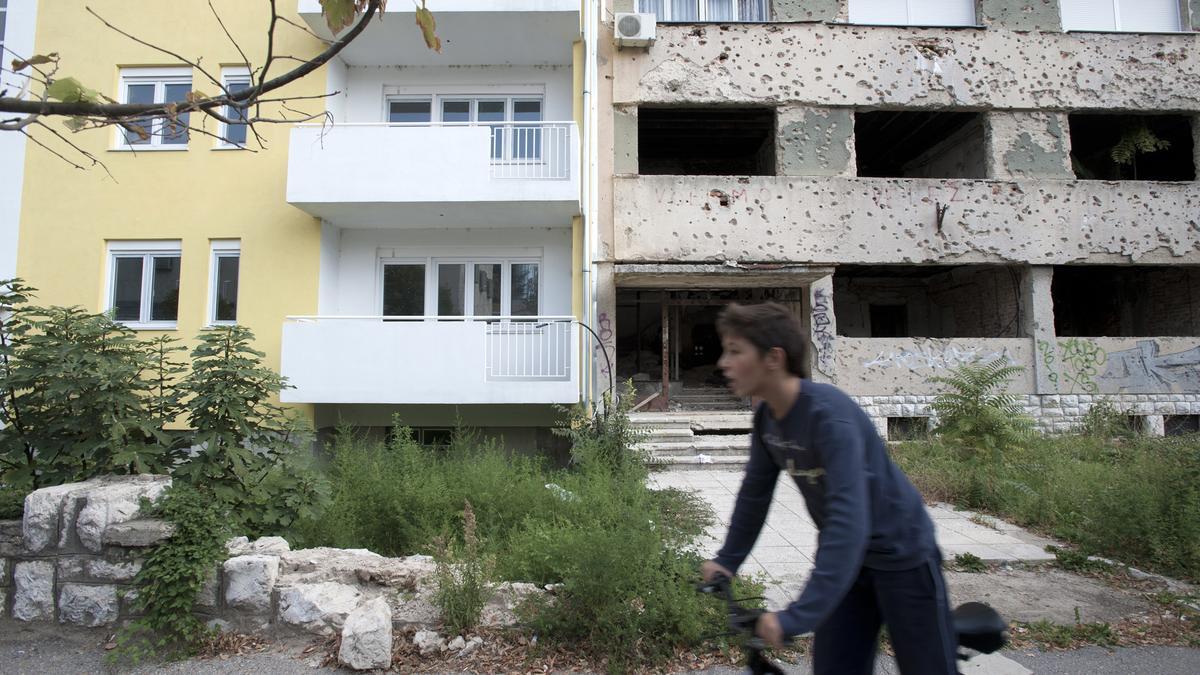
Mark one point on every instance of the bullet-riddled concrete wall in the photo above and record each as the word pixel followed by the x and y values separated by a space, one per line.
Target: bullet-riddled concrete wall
pixel 871 66
pixel 882 220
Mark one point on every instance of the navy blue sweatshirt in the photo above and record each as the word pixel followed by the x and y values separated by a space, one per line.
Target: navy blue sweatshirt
pixel 867 512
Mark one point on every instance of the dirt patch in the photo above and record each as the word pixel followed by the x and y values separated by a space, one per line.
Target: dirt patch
pixel 1044 593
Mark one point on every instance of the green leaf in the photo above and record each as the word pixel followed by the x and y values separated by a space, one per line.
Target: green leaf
pixel 428 26
pixel 37 60
pixel 339 14
pixel 70 90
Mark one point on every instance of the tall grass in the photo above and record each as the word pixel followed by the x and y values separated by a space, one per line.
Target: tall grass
pixel 1135 499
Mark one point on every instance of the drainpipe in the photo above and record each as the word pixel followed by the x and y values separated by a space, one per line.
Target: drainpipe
pixel 590 184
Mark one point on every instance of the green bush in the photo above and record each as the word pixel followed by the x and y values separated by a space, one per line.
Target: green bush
pixel 463 572
pixel 620 550
pixel 1136 500
pixel 978 413
pixel 172 576
pixel 12 503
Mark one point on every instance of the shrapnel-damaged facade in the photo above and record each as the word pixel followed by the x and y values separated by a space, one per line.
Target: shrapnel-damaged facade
pixel 926 183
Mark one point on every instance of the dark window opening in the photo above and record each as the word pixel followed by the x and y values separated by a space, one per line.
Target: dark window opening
pixel 1111 301
pixel 706 141
pixel 1181 425
pixel 889 320
pixel 907 428
pixel 1132 147
pixel 934 301
pixel 911 144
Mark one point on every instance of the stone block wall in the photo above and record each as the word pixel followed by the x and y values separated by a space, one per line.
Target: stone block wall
pixel 1054 413
pixel 73 558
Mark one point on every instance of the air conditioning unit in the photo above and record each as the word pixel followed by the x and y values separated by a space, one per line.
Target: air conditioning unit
pixel 634 30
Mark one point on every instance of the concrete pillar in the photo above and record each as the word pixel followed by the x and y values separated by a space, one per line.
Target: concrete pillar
pixel 815 141
pixel 822 329
pixel 606 328
pixel 806 10
pixel 625 140
pixel 1154 425
pixel 1020 14
pixel 1037 323
pixel 1028 145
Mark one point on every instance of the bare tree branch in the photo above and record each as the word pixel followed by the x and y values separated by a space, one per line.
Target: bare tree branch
pixel 195 64
pixel 245 59
pixel 134 111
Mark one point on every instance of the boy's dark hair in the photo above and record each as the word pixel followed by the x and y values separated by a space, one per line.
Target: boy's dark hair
pixel 766 326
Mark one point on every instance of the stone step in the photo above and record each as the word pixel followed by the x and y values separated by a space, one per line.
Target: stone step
pixel 701 444
pixel 654 434
pixel 696 463
pixel 696 421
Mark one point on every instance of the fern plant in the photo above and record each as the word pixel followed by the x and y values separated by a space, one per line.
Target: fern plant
pixel 976 411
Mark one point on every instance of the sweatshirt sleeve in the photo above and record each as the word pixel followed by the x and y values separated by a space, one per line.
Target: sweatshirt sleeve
pixel 842 542
pixel 750 509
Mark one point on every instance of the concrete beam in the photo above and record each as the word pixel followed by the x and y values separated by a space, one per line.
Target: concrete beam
pixel 832 220
pixel 845 65
pixel 730 275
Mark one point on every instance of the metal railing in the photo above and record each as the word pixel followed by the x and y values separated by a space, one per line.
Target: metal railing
pixel 530 348
pixel 531 150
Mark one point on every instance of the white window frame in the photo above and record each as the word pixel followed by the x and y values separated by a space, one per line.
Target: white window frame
pixel 1180 19
pixel 147 250
pixel 702 13
pixel 908 20
pixel 230 76
pixel 160 78
pixel 221 248
pixel 431 264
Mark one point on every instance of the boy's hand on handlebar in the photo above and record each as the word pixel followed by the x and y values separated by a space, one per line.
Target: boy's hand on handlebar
pixel 710 570
pixel 769 629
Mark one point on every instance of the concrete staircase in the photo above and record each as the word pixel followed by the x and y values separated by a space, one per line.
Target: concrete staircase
pixel 696 439
pixel 707 399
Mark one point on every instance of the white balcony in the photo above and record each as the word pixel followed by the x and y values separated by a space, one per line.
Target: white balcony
pixel 422 175
pixel 431 360
pixel 473 32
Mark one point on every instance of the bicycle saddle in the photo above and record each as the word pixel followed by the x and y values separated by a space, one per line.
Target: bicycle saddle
pixel 980 627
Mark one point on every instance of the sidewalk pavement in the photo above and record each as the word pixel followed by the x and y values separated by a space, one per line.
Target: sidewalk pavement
pixel 786 547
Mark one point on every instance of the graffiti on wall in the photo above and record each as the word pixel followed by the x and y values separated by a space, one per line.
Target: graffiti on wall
pixel 605 332
pixel 1141 369
pixel 1081 361
pixel 1080 366
pixel 822 330
pixel 934 357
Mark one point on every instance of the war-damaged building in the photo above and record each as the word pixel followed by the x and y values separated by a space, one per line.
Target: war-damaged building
pixel 927 183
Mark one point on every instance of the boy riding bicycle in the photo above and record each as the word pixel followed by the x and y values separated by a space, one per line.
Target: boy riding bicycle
pixel 877 561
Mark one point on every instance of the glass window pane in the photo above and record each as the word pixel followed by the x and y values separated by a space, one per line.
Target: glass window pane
pixel 654 7
pixel 493 111
pixel 720 10
pixel 527 111
pixel 685 10
pixel 487 289
pixel 524 289
pixel 174 132
pixel 410 112
pixel 164 289
pixel 235 134
pixel 127 289
pixel 452 282
pixel 139 93
pixel 752 10
pixel 403 290
pixel 456 111
pixel 227 288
